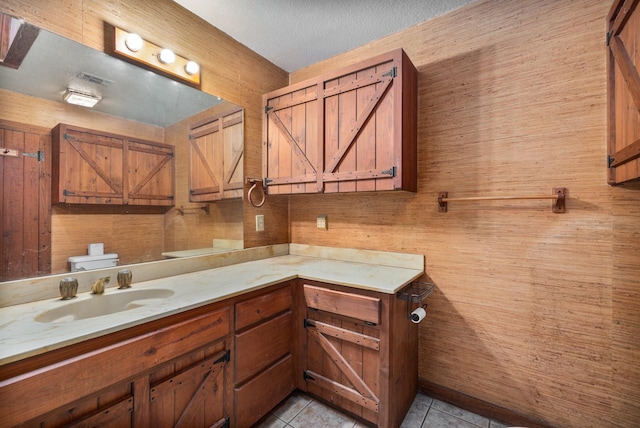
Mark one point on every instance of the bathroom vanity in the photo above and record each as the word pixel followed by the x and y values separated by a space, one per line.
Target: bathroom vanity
pixel 225 347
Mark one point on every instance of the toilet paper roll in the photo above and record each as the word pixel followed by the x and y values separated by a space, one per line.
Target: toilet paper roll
pixel 418 315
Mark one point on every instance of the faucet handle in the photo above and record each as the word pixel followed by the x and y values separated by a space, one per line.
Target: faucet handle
pixel 68 288
pixel 124 278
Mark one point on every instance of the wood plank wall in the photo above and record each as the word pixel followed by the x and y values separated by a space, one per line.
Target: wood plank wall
pixel 229 70
pixel 534 312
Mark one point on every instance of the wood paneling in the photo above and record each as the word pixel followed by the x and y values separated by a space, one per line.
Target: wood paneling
pixel 512 100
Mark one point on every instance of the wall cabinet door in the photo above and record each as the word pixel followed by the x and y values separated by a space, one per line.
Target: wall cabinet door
pixel 91 167
pixel 149 173
pixel 216 152
pixel 623 33
pixel 353 130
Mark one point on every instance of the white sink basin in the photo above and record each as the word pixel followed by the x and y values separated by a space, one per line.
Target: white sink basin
pixel 103 304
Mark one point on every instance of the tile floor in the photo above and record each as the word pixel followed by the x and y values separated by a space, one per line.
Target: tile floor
pixel 301 411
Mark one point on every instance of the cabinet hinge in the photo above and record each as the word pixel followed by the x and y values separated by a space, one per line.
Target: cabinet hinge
pixel 609 34
pixel 372 324
pixel 391 171
pixel 307 376
pixel 267 181
pixel 610 160
pixel 69 137
pixel 225 358
pixel 392 73
pixel 38 155
pixel 308 323
pixel 66 192
pixel 267 108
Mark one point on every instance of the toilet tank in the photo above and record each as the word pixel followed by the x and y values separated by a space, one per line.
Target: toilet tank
pixel 93 262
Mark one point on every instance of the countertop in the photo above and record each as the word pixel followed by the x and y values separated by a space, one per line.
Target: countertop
pixel 21 336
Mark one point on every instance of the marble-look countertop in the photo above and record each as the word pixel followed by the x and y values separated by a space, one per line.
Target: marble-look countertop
pixel 21 336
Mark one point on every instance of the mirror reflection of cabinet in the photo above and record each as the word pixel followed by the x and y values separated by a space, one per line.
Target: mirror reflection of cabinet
pixel 92 167
pixel 216 148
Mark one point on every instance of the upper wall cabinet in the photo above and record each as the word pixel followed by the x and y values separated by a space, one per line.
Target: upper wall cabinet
pixel 216 147
pixel 352 130
pixel 94 167
pixel 623 34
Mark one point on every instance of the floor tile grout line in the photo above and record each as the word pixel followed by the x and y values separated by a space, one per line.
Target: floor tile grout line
pixel 453 416
pixel 297 414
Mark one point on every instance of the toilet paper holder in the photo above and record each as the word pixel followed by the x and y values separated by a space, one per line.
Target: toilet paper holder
pixel 416 292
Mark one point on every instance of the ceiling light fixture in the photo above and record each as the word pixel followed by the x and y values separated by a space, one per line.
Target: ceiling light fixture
pixel 79 98
pixel 154 57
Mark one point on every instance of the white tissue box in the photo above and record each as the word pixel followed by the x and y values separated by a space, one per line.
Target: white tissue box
pixel 96 249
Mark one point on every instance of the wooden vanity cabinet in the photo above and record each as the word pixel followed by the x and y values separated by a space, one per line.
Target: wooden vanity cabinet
pixel 623 72
pixel 173 372
pixel 361 352
pixel 263 355
pixel 95 167
pixel 216 155
pixel 352 130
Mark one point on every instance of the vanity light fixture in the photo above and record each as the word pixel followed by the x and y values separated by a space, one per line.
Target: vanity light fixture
pixel 80 98
pixel 141 52
pixel 192 68
pixel 166 56
pixel 134 42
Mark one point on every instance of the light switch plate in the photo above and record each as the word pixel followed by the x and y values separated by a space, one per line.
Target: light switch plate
pixel 321 222
pixel 260 223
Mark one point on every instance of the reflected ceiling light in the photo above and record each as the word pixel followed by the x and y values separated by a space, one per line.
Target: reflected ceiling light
pixel 134 42
pixel 192 68
pixel 80 98
pixel 155 58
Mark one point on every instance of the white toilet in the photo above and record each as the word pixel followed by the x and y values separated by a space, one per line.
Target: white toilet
pixel 79 263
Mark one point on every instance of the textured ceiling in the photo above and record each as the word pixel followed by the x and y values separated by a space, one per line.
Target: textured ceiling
pixel 295 33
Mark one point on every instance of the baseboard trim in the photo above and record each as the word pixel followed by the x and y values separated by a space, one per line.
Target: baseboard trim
pixel 480 407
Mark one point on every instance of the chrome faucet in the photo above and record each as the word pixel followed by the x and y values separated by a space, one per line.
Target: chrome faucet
pixel 98 286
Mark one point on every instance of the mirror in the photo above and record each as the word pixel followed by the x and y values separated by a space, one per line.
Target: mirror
pixel 136 103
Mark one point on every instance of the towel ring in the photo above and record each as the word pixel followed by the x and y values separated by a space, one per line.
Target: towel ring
pixel 254 183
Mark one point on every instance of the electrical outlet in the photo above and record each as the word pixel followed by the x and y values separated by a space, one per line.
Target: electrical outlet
pixel 260 223
pixel 321 222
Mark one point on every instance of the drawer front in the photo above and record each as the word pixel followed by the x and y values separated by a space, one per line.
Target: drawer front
pixel 262 307
pixel 351 305
pixel 261 346
pixel 257 397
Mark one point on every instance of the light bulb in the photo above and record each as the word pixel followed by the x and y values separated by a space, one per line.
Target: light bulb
pixel 191 68
pixel 134 42
pixel 166 56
